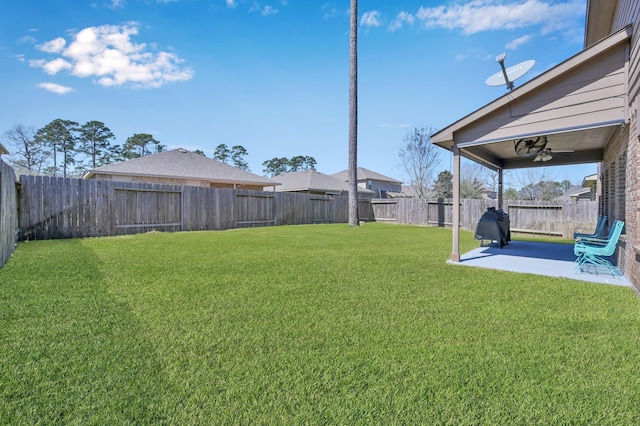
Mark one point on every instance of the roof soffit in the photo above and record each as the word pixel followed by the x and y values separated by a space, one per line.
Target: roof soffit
pixel 599 20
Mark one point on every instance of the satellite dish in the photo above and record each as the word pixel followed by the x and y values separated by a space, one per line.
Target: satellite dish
pixel 509 75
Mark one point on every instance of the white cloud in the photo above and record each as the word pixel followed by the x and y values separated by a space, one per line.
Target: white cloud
pixel 485 15
pixel 27 39
pixel 108 54
pixel 371 19
pixel 52 67
pixel 53 46
pixel 231 3
pixel 264 11
pixel 116 4
pixel 515 43
pixel 329 10
pixel 55 88
pixel 268 10
pixel 401 19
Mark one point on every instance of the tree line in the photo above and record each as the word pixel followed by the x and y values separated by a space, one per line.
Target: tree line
pixel 68 148
pixel 474 188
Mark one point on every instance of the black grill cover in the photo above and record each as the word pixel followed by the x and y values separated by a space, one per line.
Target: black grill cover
pixel 494 226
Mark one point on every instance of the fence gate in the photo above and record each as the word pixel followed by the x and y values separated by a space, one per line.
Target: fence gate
pixel 137 209
pixel 321 209
pixel 253 208
pixel 385 209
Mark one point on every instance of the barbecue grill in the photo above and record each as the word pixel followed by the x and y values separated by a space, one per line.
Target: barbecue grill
pixel 494 226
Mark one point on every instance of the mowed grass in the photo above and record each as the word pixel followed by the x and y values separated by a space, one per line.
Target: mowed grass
pixel 321 324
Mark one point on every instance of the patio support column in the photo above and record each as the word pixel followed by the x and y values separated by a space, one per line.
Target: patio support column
pixel 500 189
pixel 455 225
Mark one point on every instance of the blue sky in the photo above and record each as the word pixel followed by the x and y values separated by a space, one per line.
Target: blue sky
pixel 273 75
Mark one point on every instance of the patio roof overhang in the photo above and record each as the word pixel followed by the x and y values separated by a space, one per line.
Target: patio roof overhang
pixel 578 106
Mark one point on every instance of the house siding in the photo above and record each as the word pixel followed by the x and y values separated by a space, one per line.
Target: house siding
pixel 628 12
pixel 593 93
pixel 379 188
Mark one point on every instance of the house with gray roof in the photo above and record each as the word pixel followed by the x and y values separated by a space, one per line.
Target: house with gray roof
pixel 181 167
pixel 376 182
pixel 584 192
pixel 313 182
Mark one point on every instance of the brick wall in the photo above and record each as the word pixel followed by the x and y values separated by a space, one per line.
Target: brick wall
pixel 620 192
pixel 631 253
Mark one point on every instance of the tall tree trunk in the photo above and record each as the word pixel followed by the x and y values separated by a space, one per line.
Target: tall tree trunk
pixel 353 116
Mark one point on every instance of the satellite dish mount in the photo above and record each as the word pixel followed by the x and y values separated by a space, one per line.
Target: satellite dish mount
pixel 500 59
pixel 509 75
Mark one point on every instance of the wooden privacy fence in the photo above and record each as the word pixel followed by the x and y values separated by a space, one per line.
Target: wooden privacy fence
pixel 8 212
pixel 534 217
pixel 75 208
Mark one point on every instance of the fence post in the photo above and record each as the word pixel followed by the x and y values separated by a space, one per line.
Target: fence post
pixel 8 212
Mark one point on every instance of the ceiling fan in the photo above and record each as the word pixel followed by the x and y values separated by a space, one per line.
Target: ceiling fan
pixel 548 153
pixel 537 148
pixel 530 147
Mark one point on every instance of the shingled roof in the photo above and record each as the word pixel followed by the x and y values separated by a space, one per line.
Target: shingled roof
pixel 181 164
pixel 364 174
pixel 313 181
pixel 3 150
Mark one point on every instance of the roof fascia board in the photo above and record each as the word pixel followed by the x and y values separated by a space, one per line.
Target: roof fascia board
pixel 447 134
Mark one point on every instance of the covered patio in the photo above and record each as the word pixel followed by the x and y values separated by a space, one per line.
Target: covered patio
pixel 568 115
pixel 540 258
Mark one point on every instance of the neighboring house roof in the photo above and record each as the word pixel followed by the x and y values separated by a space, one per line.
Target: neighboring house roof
pixel 573 193
pixel 407 191
pixel 313 181
pixel 365 174
pixel 181 164
pixel 3 150
pixel 590 180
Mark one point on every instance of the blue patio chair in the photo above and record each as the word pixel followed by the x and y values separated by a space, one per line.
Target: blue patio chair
pixel 592 252
pixel 598 233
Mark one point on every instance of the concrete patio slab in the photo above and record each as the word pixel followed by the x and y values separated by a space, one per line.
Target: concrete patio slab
pixel 550 259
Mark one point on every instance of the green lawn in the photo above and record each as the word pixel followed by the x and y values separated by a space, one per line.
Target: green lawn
pixel 321 324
